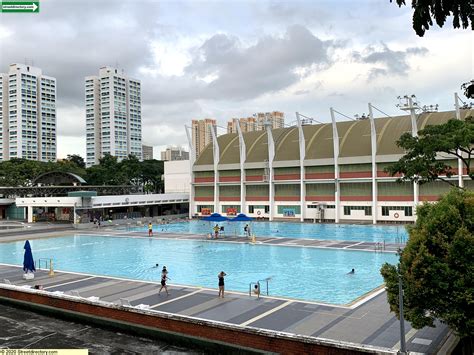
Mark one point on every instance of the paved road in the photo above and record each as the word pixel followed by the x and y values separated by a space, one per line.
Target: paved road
pixel 21 329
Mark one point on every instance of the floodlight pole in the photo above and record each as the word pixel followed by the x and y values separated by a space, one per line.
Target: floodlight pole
pixel 403 345
pixel 460 165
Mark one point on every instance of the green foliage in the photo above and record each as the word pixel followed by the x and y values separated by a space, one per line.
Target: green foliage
pixel 437 266
pixel 427 10
pixel 419 162
pixel 76 160
pixel 130 171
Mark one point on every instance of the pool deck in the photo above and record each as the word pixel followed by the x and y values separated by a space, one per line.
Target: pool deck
pixel 366 322
pixel 288 242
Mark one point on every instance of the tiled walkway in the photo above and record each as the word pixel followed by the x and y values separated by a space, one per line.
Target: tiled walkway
pixel 368 322
pixel 294 242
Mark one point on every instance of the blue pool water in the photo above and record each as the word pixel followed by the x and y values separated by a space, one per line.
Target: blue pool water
pixel 366 233
pixel 304 273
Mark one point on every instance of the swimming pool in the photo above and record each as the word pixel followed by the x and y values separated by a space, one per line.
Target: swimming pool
pixel 303 273
pixel 350 232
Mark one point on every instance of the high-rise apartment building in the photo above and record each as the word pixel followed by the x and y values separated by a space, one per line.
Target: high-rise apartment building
pixel 147 151
pixel 257 122
pixel 27 114
pixel 276 118
pixel 248 124
pixel 201 133
pixel 174 153
pixel 113 116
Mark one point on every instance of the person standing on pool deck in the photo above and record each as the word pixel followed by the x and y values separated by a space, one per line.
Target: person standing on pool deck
pixel 150 229
pixel 164 278
pixel 216 231
pixel 220 276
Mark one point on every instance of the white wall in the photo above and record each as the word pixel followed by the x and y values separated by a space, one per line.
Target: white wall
pixel 177 176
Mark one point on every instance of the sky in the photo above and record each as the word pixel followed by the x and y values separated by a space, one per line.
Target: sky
pixel 224 59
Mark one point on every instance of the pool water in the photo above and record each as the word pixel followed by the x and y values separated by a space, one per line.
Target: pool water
pixel 350 232
pixel 303 273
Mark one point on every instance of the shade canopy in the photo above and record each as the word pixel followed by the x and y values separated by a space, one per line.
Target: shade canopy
pixel 28 262
pixel 216 217
pixel 242 217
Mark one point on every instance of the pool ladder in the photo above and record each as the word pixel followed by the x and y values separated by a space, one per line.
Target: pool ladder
pixel 48 264
pixel 258 285
pixel 379 246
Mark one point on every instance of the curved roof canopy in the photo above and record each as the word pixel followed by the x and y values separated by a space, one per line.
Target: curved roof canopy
pixel 354 139
pixel 59 178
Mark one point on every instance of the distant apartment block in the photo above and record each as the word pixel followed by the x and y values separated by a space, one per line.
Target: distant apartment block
pixel 257 122
pixel 174 153
pixel 147 151
pixel 27 114
pixel 201 133
pixel 248 124
pixel 113 116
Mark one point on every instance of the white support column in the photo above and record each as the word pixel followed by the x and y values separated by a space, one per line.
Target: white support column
pixel 335 138
pixel 414 133
pixel 243 157
pixel 30 214
pixel 460 164
pixel 216 156
pixel 302 145
pixel 373 144
pixel 271 156
pixel 192 160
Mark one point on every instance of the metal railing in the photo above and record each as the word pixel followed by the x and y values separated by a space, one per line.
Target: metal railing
pixel 258 286
pixel 48 264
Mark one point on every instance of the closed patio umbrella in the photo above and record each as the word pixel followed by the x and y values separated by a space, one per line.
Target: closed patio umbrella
pixel 28 262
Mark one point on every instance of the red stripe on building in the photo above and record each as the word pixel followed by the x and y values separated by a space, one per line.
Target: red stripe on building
pixel 202 198
pixel 257 198
pixel 356 174
pixel 395 198
pixel 254 178
pixel 429 197
pixel 287 198
pixel 204 179
pixel 320 175
pixel 320 198
pixel 356 198
pixel 287 177
pixel 229 178
pixel 229 198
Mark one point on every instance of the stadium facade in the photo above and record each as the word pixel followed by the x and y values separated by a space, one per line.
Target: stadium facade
pixel 321 172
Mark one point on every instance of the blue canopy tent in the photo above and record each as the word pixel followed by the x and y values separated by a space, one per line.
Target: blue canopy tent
pixel 242 217
pixel 28 262
pixel 216 217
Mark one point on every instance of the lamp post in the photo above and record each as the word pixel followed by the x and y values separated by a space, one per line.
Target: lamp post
pixel 403 346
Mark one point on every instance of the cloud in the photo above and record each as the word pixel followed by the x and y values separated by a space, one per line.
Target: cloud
pixel 389 61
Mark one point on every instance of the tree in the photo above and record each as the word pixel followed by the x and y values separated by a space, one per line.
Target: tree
pixel 437 266
pixel 427 10
pixel 107 172
pixel 454 138
pixel 77 160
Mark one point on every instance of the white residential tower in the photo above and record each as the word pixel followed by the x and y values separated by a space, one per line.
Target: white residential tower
pixel 113 116
pixel 27 114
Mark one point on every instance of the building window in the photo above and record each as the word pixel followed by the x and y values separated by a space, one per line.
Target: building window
pixel 408 210
pixel 367 210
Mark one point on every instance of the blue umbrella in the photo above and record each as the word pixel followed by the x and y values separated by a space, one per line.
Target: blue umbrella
pixel 216 217
pixel 28 262
pixel 242 218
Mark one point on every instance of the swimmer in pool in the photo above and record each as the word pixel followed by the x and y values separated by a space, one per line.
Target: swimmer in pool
pixel 351 272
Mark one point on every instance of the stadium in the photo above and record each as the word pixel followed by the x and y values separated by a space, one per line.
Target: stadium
pixel 332 172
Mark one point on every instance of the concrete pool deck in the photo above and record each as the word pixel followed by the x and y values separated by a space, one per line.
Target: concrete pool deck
pixel 367 323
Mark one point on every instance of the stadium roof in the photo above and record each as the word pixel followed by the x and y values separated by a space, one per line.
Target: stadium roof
pixel 354 139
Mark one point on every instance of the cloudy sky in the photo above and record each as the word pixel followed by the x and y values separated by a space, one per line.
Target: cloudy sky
pixel 225 58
